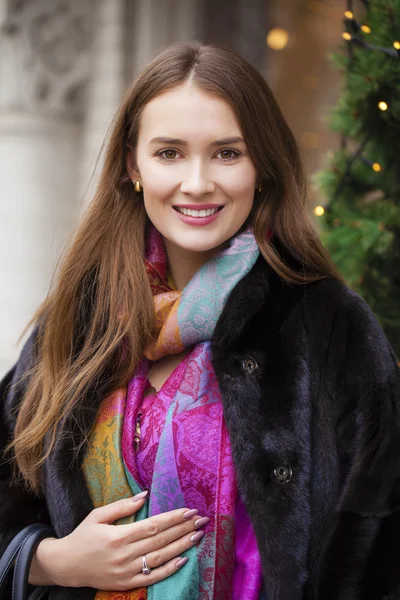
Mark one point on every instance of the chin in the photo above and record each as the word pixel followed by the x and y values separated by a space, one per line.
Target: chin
pixel 199 247
pixel 204 243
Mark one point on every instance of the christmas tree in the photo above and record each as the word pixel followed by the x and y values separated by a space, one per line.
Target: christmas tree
pixel 360 225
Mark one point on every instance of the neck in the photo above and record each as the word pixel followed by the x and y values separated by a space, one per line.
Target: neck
pixel 183 264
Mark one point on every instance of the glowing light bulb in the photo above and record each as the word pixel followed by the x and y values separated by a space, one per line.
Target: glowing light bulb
pixel 376 167
pixel 396 45
pixel 319 211
pixel 346 36
pixel 348 14
pixel 277 38
pixel 383 106
pixel 366 29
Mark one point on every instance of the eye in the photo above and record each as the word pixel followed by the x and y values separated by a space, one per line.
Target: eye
pixel 230 152
pixel 166 154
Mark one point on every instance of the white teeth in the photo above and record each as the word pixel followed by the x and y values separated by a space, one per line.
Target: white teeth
pixel 197 213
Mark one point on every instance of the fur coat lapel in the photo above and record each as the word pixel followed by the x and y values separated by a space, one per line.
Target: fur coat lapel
pixel 311 391
pixel 311 394
pixel 269 418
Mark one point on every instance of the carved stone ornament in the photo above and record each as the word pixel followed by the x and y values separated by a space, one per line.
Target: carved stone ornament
pixel 44 55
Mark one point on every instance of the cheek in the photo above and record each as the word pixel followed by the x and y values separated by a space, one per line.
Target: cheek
pixel 243 199
pixel 158 183
pixel 242 191
pixel 239 180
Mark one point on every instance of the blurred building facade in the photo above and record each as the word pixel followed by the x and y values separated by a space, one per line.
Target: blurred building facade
pixel 64 66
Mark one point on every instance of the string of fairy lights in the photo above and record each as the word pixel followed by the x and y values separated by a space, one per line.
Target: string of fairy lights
pixel 352 35
pixel 355 34
pixel 353 38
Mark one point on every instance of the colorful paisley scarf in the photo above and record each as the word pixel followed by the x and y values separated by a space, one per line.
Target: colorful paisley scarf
pixel 193 465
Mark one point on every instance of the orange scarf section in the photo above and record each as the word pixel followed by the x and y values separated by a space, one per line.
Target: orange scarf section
pixel 104 471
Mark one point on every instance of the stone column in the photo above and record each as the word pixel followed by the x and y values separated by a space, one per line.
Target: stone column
pixel 43 69
pixel 105 89
pixel 159 23
pixel 239 25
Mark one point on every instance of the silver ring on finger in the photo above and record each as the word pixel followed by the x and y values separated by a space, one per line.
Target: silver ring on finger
pixel 145 568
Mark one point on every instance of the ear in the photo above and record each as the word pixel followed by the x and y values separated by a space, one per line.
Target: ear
pixel 131 165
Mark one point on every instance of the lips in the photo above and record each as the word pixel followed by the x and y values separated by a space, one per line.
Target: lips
pixel 198 214
pixel 199 211
pixel 198 206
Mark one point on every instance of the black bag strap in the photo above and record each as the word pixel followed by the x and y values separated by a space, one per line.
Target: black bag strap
pixel 11 552
pixel 24 559
pixel 39 593
pixel 20 551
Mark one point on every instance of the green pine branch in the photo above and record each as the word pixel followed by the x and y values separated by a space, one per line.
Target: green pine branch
pixel 361 182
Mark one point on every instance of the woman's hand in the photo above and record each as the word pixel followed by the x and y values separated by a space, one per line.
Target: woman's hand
pixel 103 556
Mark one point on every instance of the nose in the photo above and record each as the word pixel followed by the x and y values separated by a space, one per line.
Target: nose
pixel 197 184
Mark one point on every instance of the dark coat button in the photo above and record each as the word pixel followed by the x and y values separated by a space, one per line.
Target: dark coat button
pixel 282 474
pixel 249 364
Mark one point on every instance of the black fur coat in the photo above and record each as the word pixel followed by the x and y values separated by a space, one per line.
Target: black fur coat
pixel 311 394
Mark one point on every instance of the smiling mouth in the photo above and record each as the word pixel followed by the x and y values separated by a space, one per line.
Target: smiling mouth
pixel 197 213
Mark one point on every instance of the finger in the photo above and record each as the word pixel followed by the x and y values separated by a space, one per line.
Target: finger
pixel 161 556
pixel 156 575
pixel 117 510
pixel 146 528
pixel 163 538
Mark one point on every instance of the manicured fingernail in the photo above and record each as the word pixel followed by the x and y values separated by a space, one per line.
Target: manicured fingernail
pixel 181 562
pixel 196 536
pixel 140 496
pixel 190 513
pixel 201 522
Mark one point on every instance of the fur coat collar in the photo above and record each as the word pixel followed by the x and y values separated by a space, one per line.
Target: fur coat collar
pixel 311 395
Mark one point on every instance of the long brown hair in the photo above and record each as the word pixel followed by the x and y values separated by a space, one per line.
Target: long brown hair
pixel 101 300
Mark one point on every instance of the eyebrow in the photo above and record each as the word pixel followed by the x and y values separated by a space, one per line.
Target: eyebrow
pixel 221 142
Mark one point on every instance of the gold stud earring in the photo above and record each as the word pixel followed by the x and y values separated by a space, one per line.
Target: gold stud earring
pixel 138 187
pixel 259 188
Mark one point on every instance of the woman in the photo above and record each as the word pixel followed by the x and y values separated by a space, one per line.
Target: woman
pixel 200 346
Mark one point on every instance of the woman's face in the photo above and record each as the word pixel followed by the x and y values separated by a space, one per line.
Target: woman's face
pixel 197 176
